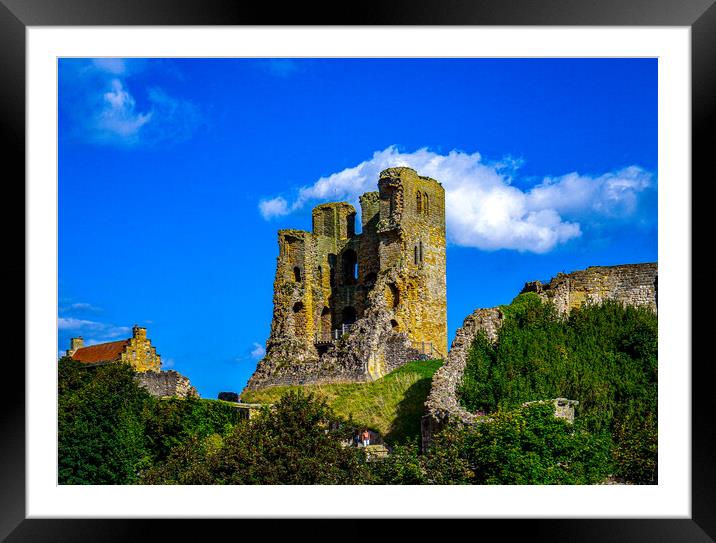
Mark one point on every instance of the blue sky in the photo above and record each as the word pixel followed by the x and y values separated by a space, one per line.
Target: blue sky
pixel 175 174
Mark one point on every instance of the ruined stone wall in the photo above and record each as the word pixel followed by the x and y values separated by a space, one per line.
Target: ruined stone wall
pixel 166 384
pixel 412 239
pixel 442 403
pixel 375 281
pixel 632 284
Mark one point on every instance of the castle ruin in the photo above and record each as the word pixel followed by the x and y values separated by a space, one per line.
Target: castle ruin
pixel 629 284
pixel 352 307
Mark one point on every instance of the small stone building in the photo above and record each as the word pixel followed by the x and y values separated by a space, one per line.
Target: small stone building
pixel 142 356
pixel 136 351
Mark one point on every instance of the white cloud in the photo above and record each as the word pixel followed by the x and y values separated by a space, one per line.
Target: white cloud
pixel 115 66
pixel 117 118
pixel 483 208
pixel 275 207
pixel 70 323
pixel 110 102
pixel 80 307
pixel 258 351
pixel 102 330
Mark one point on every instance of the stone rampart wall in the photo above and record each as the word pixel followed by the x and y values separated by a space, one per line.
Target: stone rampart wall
pixel 632 284
pixel 442 402
pixel 166 384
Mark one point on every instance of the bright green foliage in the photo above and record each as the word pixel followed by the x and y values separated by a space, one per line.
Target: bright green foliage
pixel 299 441
pixel 173 421
pixel 528 445
pixel 110 428
pixel 604 356
pixel 100 424
pixel 531 446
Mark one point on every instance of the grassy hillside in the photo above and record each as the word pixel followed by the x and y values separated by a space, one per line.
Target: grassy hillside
pixel 392 405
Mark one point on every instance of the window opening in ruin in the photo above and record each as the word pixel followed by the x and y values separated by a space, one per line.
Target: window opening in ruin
pixel 425 203
pixel 421 252
pixel 326 324
pixel 351 225
pixel 332 269
pixel 419 202
pixel 394 324
pixel 349 315
pixel 391 195
pixel 297 274
pixel 350 267
pixel 393 295
pixel 415 257
pixel 298 307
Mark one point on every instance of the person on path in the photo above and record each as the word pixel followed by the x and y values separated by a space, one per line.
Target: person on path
pixel 366 437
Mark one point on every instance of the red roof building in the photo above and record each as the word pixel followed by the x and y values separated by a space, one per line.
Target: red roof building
pixel 136 351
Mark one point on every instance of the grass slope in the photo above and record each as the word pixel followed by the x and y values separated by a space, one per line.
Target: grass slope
pixel 392 405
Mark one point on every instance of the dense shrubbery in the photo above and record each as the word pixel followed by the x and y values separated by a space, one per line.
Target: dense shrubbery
pixel 298 441
pixel 527 445
pixel 110 429
pixel 604 356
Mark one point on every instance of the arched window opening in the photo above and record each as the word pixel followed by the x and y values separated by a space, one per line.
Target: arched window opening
pixel 332 269
pixel 392 296
pixel 421 252
pixel 350 267
pixel 425 203
pixel 415 256
pixel 299 319
pixel 326 324
pixel 419 203
pixel 349 315
pixel 297 274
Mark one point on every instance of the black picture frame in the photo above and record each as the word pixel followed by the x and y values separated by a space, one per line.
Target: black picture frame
pixel 699 15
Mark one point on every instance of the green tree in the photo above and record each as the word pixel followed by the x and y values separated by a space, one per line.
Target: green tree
pixel 530 445
pixel 298 441
pixel 603 355
pixel 100 424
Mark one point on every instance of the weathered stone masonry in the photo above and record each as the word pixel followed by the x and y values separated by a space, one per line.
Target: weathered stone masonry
pixel 631 284
pixel 385 287
pixel 167 384
pixel 139 353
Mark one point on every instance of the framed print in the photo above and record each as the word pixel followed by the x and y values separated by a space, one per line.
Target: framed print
pixel 139 147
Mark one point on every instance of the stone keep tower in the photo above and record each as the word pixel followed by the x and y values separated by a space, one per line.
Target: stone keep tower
pixel 350 307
